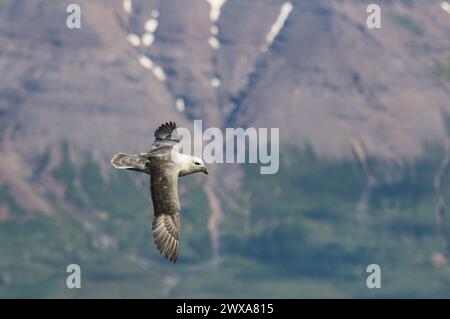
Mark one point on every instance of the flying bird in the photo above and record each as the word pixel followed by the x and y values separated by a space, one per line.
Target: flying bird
pixel 164 163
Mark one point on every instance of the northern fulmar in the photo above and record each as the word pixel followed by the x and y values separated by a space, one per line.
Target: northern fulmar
pixel 164 163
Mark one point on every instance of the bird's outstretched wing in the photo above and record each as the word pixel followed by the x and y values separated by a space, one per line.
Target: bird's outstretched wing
pixel 167 131
pixel 166 223
pixel 134 162
pixel 166 137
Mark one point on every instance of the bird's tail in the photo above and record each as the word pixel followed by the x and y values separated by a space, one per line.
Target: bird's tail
pixel 134 162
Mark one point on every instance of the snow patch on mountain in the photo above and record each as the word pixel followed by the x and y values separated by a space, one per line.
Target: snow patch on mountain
pixel 216 6
pixel 127 6
pixel 285 10
pixel 134 39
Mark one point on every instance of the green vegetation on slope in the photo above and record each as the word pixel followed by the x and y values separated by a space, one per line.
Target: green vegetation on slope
pixel 302 235
pixel 409 24
pixel 306 224
pixel 442 69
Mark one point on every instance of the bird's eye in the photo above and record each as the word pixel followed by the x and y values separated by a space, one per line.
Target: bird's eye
pixel 197 163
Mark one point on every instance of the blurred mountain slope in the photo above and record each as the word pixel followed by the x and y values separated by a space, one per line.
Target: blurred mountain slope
pixel 330 80
pixel 363 118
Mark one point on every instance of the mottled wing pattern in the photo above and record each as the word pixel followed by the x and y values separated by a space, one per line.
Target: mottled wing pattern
pixel 166 223
pixel 135 162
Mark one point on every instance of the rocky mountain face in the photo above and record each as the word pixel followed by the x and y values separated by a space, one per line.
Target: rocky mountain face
pixel 365 109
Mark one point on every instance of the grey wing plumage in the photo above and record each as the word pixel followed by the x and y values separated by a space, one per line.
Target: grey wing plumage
pixel 166 223
pixel 166 137
pixel 134 162
pixel 167 131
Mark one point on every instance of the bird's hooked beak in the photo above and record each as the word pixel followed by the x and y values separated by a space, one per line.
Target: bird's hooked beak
pixel 205 170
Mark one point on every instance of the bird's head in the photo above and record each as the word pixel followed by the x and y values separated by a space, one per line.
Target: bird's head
pixel 197 165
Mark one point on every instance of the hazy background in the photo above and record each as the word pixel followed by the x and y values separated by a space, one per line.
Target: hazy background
pixel 363 117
